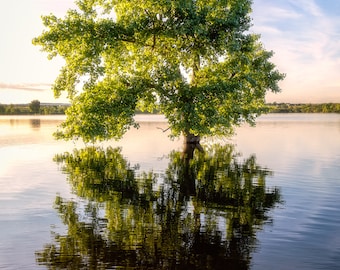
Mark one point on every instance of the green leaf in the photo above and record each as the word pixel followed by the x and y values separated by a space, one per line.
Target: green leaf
pixel 195 61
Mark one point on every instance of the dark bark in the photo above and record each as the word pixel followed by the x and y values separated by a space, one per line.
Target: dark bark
pixel 191 142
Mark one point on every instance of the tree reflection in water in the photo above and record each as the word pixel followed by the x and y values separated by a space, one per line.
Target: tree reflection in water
pixel 200 214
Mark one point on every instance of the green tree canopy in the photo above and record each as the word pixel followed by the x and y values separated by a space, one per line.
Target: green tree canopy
pixel 196 61
pixel 35 106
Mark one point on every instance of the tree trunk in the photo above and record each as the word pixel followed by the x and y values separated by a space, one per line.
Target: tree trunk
pixel 191 142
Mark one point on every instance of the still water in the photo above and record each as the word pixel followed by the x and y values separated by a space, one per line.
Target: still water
pixel 267 198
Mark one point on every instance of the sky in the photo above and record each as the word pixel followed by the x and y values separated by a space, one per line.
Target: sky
pixel 303 34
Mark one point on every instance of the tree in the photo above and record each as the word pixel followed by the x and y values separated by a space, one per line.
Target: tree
pixel 2 108
pixel 196 61
pixel 35 106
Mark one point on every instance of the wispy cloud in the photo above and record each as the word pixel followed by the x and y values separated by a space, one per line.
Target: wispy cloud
pixel 304 34
pixel 25 86
pixel 306 43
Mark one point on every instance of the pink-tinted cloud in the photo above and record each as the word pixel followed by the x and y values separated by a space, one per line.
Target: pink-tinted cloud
pixel 25 86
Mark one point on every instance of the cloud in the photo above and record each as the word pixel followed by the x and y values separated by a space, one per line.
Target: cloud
pixel 25 86
pixel 305 39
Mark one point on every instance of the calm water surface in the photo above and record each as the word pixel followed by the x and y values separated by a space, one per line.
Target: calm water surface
pixel 266 198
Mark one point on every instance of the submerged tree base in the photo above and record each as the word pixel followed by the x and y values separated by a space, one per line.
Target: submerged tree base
pixel 191 142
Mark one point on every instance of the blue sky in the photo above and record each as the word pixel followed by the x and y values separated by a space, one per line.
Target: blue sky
pixel 304 34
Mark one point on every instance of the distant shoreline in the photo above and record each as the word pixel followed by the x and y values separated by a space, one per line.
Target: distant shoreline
pixel 303 107
pixel 60 108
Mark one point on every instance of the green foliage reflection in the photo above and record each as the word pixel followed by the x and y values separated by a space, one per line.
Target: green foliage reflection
pixel 200 214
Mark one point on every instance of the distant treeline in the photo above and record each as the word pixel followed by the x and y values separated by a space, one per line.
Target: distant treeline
pixel 35 107
pixel 304 108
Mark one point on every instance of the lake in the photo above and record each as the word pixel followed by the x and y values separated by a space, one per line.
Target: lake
pixel 266 198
